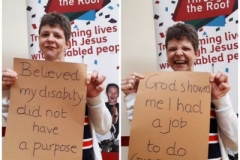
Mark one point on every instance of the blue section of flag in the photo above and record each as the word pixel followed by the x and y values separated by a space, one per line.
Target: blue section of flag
pixel 218 21
pixel 75 27
pixel 226 70
pixel 89 16
pixel 110 7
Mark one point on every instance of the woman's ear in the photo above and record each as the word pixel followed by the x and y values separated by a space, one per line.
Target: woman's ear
pixel 68 45
pixel 197 53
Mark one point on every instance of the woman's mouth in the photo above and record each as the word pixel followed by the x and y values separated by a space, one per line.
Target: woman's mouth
pixel 49 47
pixel 180 62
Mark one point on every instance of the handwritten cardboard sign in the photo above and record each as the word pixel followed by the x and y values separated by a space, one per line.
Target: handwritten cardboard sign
pixel 171 117
pixel 46 112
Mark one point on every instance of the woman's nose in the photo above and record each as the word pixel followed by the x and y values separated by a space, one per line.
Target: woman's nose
pixel 50 38
pixel 179 52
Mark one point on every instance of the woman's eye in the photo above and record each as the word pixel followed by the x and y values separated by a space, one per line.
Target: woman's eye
pixel 186 49
pixel 57 36
pixel 171 49
pixel 44 35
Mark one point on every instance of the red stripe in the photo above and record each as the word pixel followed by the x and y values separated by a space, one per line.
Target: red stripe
pixel 125 141
pixel 213 138
pixel 88 143
pixel 213 114
pixel 3 131
pixel 110 155
pixel 86 120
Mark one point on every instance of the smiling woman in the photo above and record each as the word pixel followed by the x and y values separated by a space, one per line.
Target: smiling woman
pixel 54 35
pixel 53 43
pixel 182 50
pixel 182 47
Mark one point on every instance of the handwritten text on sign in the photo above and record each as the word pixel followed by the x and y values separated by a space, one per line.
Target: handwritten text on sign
pixel 46 112
pixel 171 117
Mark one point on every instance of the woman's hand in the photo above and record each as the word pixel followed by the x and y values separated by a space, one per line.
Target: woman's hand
pixel 9 77
pixel 130 83
pixel 94 84
pixel 220 85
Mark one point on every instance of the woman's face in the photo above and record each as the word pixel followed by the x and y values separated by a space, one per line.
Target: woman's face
pixel 181 55
pixel 52 43
pixel 112 95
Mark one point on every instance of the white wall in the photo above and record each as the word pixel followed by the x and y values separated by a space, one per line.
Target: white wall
pixel 138 53
pixel 14 32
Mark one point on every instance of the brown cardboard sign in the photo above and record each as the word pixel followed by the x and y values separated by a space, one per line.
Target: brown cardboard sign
pixel 46 112
pixel 171 117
